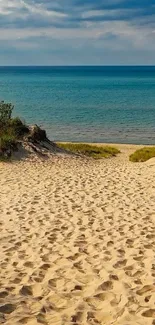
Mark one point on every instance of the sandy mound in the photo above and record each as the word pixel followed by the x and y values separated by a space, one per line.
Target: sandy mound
pixel 150 162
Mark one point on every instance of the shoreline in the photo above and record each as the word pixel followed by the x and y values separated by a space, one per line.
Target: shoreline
pixel 109 144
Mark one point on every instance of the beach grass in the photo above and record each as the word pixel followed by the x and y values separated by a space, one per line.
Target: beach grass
pixel 143 154
pixel 93 151
pixel 10 133
pixel 7 140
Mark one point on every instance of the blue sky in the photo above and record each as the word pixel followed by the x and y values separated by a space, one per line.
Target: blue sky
pixel 77 32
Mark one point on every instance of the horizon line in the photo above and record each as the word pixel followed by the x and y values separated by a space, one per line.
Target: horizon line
pixel 80 65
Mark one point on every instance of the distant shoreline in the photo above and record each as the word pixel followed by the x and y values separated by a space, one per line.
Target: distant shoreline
pixel 74 66
pixel 125 145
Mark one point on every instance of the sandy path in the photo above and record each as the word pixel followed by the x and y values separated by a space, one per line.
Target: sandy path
pixel 77 242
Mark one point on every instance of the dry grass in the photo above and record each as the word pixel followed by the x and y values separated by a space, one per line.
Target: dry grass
pixel 143 154
pixel 90 150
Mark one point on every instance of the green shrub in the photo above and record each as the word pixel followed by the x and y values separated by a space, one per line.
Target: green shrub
pixel 5 112
pixel 7 142
pixel 18 127
pixel 90 150
pixel 143 154
pixel 11 130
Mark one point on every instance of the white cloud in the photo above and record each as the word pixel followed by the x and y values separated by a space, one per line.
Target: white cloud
pixel 8 7
pixel 26 24
pixel 40 10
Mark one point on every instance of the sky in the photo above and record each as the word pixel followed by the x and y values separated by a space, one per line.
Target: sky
pixel 77 32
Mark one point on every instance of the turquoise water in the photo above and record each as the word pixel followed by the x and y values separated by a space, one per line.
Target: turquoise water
pixel 93 104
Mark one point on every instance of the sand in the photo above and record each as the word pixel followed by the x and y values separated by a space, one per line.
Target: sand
pixel 77 241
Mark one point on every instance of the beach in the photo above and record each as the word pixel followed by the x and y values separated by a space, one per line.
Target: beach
pixel 77 241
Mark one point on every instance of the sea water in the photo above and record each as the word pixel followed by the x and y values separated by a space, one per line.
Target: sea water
pixel 85 104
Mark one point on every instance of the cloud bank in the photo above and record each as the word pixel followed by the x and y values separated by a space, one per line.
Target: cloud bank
pixel 61 32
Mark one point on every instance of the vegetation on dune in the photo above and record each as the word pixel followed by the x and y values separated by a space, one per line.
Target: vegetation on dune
pixel 90 150
pixel 18 127
pixel 14 134
pixel 11 130
pixel 7 140
pixel 143 154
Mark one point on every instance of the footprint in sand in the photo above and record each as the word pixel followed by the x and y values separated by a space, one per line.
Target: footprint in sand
pixel 17 280
pixel 113 277
pixel 26 291
pixel 28 264
pixel 52 283
pixel 24 320
pixel 45 266
pixel 145 289
pixel 77 318
pixel 147 298
pixel 107 285
pixel 120 264
pixel 7 308
pixel 149 313
pixel 41 318
pixel 77 288
pixel 3 294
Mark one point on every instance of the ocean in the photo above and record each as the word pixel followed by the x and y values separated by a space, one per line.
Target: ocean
pixel 85 104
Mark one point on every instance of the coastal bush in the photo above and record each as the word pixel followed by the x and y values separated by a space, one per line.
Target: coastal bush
pixel 18 127
pixel 11 130
pixel 90 150
pixel 7 141
pixel 7 144
pixel 143 154
pixel 5 112
pixel 9 124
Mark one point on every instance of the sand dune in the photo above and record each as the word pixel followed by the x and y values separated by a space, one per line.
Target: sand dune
pixel 77 243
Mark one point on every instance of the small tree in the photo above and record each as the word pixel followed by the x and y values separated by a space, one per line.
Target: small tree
pixel 5 112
